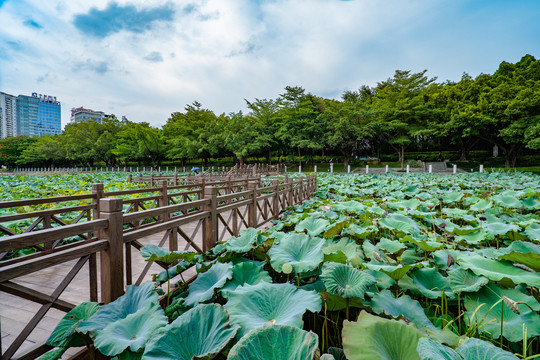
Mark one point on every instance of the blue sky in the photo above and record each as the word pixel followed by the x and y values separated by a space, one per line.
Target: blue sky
pixel 147 59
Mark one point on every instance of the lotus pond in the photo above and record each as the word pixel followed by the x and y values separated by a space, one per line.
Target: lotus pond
pixel 373 267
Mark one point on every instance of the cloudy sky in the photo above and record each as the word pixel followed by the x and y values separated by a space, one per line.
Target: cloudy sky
pixel 147 59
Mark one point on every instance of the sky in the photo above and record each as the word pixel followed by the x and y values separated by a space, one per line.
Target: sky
pixel 147 59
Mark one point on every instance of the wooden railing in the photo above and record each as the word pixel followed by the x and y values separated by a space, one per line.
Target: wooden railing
pixel 113 238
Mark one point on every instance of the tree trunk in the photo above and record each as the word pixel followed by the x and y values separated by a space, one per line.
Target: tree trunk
pixel 299 157
pixel 402 156
pixel 512 155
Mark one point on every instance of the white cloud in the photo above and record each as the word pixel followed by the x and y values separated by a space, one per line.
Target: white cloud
pixel 222 51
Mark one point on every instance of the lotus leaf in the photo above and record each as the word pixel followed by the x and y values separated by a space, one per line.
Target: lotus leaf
pixel 350 207
pixel 412 204
pixel 244 242
pixel 352 252
pixel 375 338
pixel 491 315
pixel 499 228
pixel 462 280
pixel 156 253
pixel 497 270
pixel 275 342
pixel 360 232
pixel 131 332
pixel 246 273
pixel 335 229
pixel 337 353
pixel 506 201
pixel 203 287
pixel 54 354
pixel 200 333
pixel 396 272
pixel 481 205
pixel 312 225
pixel 251 306
pixel 302 252
pixel 452 197
pixel 441 257
pixel 391 246
pixel 400 223
pixel 64 334
pixel 525 253
pixel 346 281
pixel 429 349
pixel 473 238
pixel 476 349
pixel 533 231
pixel 430 283
pixel 455 213
pixel 135 299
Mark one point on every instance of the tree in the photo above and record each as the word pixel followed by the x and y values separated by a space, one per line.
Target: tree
pixel 140 142
pixel 11 149
pixel 47 149
pixel 192 134
pixel 401 108
pixel 265 112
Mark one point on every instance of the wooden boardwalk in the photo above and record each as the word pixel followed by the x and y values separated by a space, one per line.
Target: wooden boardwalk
pixel 16 312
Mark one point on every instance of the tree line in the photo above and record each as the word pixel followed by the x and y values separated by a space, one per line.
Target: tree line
pixel 408 109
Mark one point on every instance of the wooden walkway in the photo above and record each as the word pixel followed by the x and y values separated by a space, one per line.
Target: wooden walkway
pixel 16 312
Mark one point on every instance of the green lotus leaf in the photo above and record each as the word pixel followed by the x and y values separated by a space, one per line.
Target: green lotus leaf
pixel 525 253
pixel 201 333
pixel 384 302
pixel 465 230
pixel 352 252
pixel 360 232
pixel 327 357
pixel 156 253
pixel 65 335
pixel 425 245
pixel 301 251
pixel 533 231
pixel 131 332
pixel 337 353
pixel 350 207
pixel 400 223
pixel 335 229
pixel 497 270
pixel 383 281
pixel 476 349
pixel 455 213
pixel 431 284
pixel 54 354
pixel 203 287
pixel 481 309
pixel 396 272
pixel 375 338
pixel 452 197
pixel 429 349
pixel 251 306
pixel 246 273
pixel 135 299
pixel 462 280
pixel 440 257
pixel 530 203
pixel 499 228
pixel 481 205
pixel 275 342
pixel 245 241
pixel 346 281
pixel 412 204
pixel 128 355
pixel 473 238
pixel 509 202
pixel 391 246
pixel 312 225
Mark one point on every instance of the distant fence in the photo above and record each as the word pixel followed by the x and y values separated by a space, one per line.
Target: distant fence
pixel 113 228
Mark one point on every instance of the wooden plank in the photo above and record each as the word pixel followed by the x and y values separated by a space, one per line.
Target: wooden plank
pixel 175 222
pixel 34 295
pixel 59 257
pixel 19 203
pixel 20 241
pixel 45 213
pixel 141 215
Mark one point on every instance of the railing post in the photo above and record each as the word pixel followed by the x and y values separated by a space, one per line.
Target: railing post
pixel 112 258
pixel 301 190
pixel 97 190
pixel 252 207
pixel 163 196
pixel 290 192
pixel 152 179
pixel 275 200
pixel 210 231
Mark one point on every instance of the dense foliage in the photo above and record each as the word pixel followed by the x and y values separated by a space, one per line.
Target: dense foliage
pixel 407 110
pixel 374 267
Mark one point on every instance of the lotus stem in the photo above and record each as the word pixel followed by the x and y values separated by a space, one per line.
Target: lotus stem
pixel 502 319
pixel 347 308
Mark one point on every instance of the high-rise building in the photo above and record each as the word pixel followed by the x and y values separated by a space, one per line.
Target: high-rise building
pixel 8 115
pixel 81 114
pixel 38 115
pixel 29 115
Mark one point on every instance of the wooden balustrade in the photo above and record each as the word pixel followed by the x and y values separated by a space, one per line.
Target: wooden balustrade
pixel 110 238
